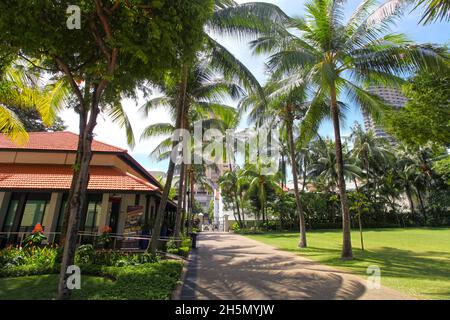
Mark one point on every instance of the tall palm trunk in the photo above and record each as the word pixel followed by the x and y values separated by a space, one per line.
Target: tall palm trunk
pixel 179 202
pixel 191 200
pixel 301 215
pixel 359 218
pixel 153 245
pixel 346 241
pixel 422 206
pixel 184 211
pixel 411 202
pixel 238 209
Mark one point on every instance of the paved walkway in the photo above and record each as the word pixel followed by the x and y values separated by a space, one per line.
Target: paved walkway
pixel 230 266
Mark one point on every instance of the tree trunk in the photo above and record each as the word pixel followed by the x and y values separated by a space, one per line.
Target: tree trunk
pixel 346 241
pixel 77 164
pixel 411 203
pixel 360 231
pixel 359 218
pixel 191 200
pixel 179 202
pixel 301 215
pixel 422 206
pixel 77 202
pixel 243 210
pixel 238 210
pixel 184 211
pixel 153 245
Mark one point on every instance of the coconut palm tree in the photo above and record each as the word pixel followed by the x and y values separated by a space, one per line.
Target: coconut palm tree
pixel 23 88
pixel 281 111
pixel 204 94
pixel 259 183
pixel 225 19
pixel 338 57
pixel 369 151
pixel 435 10
pixel 324 166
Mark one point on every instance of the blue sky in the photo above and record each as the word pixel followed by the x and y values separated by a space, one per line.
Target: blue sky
pixel 435 33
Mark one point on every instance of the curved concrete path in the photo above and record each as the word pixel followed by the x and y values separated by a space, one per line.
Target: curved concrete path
pixel 229 266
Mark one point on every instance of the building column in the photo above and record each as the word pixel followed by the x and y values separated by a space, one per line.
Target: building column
pixel 104 212
pixel 51 216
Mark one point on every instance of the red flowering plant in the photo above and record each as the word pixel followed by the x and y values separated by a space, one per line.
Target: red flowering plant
pixel 35 238
pixel 105 237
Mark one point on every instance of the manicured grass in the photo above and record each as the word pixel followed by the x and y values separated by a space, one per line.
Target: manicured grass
pixel 413 261
pixel 147 281
pixel 43 287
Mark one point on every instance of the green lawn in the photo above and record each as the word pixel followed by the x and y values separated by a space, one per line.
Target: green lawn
pixel 413 261
pixel 43 287
pixel 147 281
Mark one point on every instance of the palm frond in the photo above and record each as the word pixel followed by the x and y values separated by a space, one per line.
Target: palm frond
pixel 118 115
pixel 157 130
pixel 11 126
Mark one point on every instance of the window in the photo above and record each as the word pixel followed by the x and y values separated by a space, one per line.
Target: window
pixel 94 209
pixel 12 209
pixel 33 213
pixel 25 210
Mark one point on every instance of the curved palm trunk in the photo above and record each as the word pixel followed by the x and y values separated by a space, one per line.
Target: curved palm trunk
pixel 153 245
pixel 301 215
pixel 346 241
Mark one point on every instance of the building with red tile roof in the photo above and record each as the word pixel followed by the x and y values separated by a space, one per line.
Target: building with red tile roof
pixel 35 180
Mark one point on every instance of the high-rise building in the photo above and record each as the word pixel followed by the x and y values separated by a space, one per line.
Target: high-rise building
pixel 391 96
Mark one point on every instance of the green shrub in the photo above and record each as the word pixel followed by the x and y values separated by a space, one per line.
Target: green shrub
pixel 179 248
pixel 235 227
pixel 181 251
pixel 14 256
pixel 85 254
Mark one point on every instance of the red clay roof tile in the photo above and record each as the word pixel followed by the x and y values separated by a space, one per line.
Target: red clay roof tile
pixel 60 141
pixel 59 177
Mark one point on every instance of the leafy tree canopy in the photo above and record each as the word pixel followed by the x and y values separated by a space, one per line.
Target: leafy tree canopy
pixel 151 37
pixel 426 116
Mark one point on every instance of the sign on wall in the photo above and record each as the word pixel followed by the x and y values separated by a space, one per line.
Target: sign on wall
pixel 134 219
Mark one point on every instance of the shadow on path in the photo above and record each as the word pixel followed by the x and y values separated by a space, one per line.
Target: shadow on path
pixel 229 266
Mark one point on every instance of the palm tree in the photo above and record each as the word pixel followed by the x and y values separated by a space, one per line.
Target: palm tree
pixel 225 19
pixel 434 10
pixel 229 186
pixel 204 93
pixel 323 167
pixel 338 56
pixel 259 183
pixel 368 150
pixel 282 111
pixel 20 87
